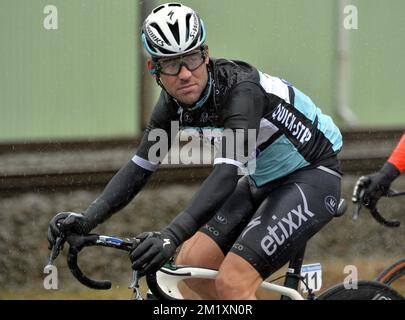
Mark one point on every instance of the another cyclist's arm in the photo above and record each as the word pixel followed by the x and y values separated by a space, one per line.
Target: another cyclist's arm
pixel 369 189
pixel 397 157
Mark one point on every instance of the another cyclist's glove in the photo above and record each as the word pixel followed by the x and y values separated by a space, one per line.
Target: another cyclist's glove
pixel 155 249
pixel 369 189
pixel 68 222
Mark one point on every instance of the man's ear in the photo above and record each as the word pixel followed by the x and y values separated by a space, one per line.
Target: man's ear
pixel 207 54
pixel 151 67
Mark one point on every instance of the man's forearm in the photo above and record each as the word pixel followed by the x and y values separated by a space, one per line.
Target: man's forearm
pixel 121 189
pixel 209 199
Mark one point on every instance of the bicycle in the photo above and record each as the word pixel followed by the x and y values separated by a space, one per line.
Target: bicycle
pixel 396 270
pixel 165 283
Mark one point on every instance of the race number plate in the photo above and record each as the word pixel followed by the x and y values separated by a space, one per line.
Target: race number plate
pixel 312 274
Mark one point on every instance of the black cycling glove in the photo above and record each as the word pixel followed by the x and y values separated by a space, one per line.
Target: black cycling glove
pixel 155 249
pixel 369 189
pixel 68 222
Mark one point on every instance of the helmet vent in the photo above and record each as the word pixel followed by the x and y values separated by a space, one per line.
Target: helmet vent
pixel 174 5
pixel 158 8
pixel 188 17
pixel 174 28
pixel 156 26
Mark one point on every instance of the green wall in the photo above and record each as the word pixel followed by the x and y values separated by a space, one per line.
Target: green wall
pixel 82 80
pixel 377 63
pixel 74 82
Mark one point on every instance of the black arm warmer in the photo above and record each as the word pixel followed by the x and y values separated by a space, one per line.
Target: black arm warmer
pixel 216 188
pixel 390 172
pixel 121 189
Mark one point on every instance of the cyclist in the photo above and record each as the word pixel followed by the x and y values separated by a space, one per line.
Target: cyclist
pixel 369 189
pixel 249 226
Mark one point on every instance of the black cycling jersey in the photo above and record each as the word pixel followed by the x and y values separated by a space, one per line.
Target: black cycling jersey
pixel 290 133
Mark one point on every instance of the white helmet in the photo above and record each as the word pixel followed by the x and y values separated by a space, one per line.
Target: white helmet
pixel 172 29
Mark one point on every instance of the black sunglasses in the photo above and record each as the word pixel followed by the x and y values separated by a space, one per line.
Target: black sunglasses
pixel 171 67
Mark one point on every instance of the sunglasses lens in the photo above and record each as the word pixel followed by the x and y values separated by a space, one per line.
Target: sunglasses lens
pixel 172 67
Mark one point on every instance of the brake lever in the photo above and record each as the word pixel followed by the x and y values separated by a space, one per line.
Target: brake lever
pixel 356 212
pixel 56 249
pixel 135 277
pixel 357 208
pixel 135 285
pixel 393 193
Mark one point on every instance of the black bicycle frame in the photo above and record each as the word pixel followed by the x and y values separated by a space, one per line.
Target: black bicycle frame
pixel 293 274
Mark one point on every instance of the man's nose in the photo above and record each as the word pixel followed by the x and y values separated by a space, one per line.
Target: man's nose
pixel 184 73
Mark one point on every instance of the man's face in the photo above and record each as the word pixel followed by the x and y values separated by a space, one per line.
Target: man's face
pixel 187 86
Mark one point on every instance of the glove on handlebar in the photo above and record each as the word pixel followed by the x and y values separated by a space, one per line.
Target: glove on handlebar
pixel 369 189
pixel 155 249
pixel 68 222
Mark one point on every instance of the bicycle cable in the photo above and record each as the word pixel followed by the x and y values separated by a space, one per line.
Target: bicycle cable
pixel 311 295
